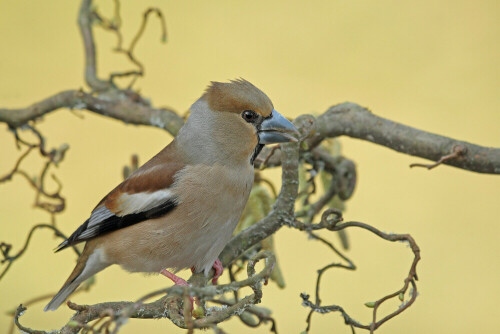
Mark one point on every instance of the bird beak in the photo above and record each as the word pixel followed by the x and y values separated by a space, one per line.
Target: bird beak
pixel 277 129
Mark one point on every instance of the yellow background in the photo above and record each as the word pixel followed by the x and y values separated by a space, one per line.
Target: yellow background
pixel 430 64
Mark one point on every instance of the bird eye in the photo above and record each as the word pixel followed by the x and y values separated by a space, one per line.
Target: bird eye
pixel 249 115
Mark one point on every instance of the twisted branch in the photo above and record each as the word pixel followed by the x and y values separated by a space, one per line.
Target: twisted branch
pixel 121 105
pixel 114 26
pixel 107 99
pixel 281 214
pixel 85 24
pixel 167 306
pixel 332 224
pixel 346 119
pixel 350 119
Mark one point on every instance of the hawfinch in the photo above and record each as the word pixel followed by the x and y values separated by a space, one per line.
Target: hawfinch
pixel 180 208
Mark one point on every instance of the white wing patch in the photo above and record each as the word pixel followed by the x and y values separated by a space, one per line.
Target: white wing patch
pixel 140 202
pixel 99 214
pixel 128 204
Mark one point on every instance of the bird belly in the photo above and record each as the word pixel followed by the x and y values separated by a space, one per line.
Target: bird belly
pixel 211 201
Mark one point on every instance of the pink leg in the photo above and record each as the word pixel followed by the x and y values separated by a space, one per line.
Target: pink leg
pixel 177 281
pixel 218 271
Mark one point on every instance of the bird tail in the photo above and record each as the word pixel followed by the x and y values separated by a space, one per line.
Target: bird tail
pixel 89 263
pixel 61 296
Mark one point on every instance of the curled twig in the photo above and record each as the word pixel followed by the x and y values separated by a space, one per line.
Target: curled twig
pixel 5 248
pixel 15 170
pixel 52 157
pixel 19 312
pixel 332 224
pixel 114 25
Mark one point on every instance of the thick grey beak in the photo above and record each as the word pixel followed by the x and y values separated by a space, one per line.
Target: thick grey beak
pixel 277 129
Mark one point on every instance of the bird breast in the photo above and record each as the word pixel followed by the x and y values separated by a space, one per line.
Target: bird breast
pixel 210 199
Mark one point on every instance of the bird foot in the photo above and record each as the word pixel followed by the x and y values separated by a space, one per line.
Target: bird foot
pixel 178 281
pixel 219 269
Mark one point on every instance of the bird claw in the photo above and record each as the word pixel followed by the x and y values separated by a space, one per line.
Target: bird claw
pixel 219 269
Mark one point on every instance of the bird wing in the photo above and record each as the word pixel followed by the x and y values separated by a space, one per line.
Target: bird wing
pixel 146 194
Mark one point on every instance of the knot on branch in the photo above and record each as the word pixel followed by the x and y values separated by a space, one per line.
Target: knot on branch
pixel 331 222
pixel 306 124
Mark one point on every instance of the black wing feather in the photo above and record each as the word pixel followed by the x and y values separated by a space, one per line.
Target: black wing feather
pixel 114 223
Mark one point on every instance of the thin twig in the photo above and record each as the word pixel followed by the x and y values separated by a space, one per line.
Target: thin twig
pixel 5 248
pixel 114 26
pixel 457 151
pixel 332 224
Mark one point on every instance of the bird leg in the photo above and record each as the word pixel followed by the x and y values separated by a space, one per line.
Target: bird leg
pixel 177 281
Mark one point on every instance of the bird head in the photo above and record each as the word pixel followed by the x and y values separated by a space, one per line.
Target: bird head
pixel 234 120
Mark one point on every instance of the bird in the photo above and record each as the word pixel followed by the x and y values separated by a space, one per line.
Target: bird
pixel 180 208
